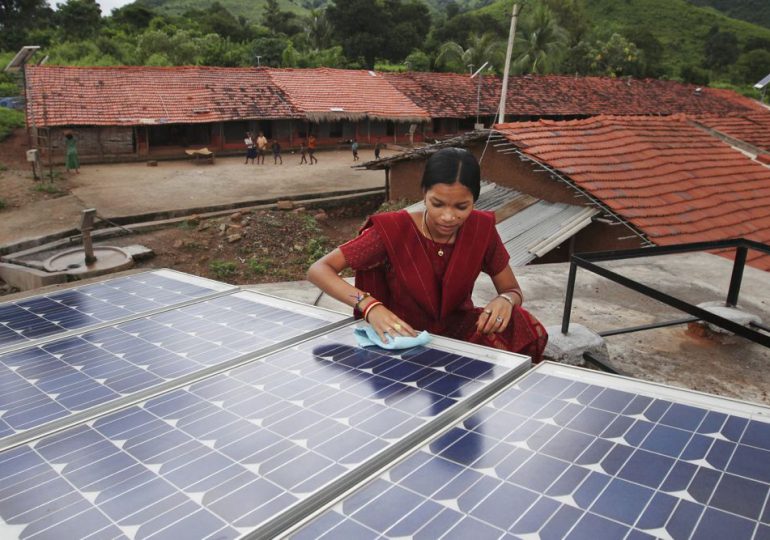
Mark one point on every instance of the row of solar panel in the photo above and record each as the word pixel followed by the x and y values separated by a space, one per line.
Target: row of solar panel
pixel 249 450
pixel 70 309
pixel 42 383
pixel 555 457
pixel 221 457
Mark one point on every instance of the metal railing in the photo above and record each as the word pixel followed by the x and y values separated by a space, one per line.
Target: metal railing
pixel 588 261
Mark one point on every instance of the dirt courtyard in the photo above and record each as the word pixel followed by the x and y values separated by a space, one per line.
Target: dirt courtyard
pixel 36 208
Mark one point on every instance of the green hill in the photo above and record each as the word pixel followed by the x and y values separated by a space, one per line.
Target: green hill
pixel 754 11
pixel 680 26
pixel 251 11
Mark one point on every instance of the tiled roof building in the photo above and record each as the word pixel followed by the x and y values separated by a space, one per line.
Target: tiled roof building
pixel 333 94
pixel 670 179
pixel 136 95
pixel 753 128
pixel 452 95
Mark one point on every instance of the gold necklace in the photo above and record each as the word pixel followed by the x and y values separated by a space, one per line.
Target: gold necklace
pixel 426 228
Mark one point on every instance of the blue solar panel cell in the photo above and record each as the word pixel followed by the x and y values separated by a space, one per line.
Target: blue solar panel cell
pixel 43 316
pixel 222 456
pixel 569 454
pixel 51 381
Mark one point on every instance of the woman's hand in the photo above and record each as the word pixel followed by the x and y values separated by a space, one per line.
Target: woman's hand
pixel 383 320
pixel 495 317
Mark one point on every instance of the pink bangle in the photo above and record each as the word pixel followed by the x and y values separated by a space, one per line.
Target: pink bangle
pixel 369 307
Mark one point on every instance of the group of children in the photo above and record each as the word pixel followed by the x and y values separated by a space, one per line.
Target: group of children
pixel 257 148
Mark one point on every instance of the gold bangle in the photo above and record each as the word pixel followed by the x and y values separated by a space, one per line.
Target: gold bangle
pixel 506 299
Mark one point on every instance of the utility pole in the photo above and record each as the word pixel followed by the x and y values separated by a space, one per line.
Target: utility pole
pixel 508 54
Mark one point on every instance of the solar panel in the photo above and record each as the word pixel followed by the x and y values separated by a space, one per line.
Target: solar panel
pixel 568 453
pixel 54 380
pixel 61 311
pixel 243 450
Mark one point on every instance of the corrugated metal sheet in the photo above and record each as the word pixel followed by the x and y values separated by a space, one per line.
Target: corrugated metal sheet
pixel 543 223
pixel 533 230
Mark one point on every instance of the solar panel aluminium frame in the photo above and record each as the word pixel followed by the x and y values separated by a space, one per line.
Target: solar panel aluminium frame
pixel 655 390
pixel 219 288
pixel 287 521
pixel 61 424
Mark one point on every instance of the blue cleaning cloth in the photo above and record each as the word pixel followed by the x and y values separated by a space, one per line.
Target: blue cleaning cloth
pixel 367 337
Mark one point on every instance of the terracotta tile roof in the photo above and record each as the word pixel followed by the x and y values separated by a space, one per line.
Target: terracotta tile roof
pixel 753 128
pixel 152 95
pixel 447 95
pixel 671 180
pixel 454 96
pixel 326 93
pixel 132 95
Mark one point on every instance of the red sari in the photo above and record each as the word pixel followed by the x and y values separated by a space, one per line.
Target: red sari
pixel 400 267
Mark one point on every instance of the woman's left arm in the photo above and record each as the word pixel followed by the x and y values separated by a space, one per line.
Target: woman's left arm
pixel 497 312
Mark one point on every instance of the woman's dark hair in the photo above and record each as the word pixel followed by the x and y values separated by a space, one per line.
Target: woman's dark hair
pixel 450 165
pixel 68 135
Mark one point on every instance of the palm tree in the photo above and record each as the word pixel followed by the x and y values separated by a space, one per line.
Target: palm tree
pixel 318 30
pixel 541 44
pixel 487 48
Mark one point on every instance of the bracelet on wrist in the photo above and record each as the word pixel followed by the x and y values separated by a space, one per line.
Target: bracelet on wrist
pixel 517 292
pixel 369 307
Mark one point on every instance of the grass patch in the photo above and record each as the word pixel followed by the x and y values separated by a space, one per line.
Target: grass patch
pixel 259 267
pixel 3 167
pixel 222 269
pixel 315 249
pixel 3 204
pixel 47 188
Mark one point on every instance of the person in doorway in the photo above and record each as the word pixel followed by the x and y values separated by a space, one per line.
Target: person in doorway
pixel 416 271
pixel 303 152
pixel 377 149
pixel 261 148
pixel 354 148
pixel 72 159
pixel 311 143
pixel 276 147
pixel 251 148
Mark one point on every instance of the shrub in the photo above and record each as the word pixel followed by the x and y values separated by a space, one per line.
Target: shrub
pixel 258 267
pixel 10 119
pixel 222 269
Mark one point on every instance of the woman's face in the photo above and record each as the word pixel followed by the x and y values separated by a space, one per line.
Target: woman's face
pixel 448 205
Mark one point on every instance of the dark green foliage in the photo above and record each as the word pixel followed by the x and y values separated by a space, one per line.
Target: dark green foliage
pixel 387 29
pixel 79 19
pixel 694 75
pixel 278 21
pixel 753 11
pixel 10 119
pixel 133 17
pixel 18 17
pixel 651 48
pixel 721 49
pixel 753 66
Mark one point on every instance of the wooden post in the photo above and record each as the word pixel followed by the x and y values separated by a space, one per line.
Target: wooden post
pixel 506 71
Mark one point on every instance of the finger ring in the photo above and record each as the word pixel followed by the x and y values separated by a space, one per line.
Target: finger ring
pixel 488 311
pixel 499 319
pixel 397 327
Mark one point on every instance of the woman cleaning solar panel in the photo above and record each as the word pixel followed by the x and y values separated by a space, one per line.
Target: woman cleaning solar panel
pixel 416 271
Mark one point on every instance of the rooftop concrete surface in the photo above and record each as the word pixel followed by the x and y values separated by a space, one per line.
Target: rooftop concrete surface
pixel 120 190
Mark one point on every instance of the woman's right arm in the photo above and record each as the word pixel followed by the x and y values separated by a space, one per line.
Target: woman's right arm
pixel 324 274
